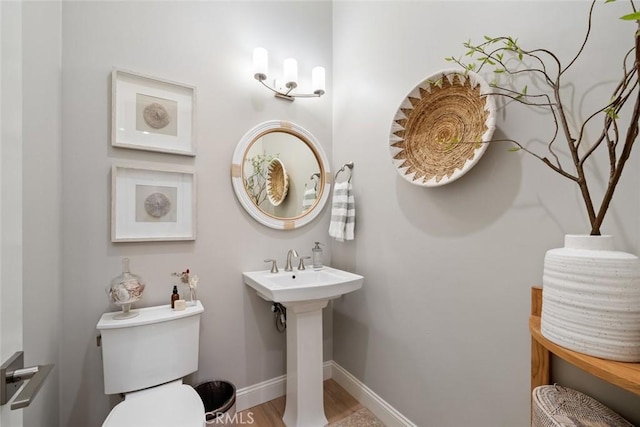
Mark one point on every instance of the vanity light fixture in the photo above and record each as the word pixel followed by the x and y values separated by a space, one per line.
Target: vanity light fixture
pixel 260 65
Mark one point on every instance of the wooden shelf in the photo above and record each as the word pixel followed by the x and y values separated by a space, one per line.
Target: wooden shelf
pixel 624 375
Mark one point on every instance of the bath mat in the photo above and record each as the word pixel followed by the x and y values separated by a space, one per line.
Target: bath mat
pixel 360 418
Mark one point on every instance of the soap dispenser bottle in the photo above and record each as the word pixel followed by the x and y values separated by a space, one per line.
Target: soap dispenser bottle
pixel 316 257
pixel 174 296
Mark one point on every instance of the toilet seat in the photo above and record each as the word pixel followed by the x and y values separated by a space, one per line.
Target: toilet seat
pixel 169 405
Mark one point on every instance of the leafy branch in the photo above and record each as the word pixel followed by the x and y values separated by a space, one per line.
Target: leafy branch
pixel 508 60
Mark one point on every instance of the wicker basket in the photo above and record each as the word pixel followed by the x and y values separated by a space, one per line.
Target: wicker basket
pixel 441 128
pixel 556 406
pixel 277 182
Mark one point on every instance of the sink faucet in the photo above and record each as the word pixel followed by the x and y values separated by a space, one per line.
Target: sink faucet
pixel 288 266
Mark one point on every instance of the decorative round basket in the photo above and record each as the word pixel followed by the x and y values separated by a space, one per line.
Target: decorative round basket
pixel 556 406
pixel 441 128
pixel 277 182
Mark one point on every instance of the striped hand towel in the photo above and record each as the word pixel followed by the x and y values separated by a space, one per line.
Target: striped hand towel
pixel 343 212
pixel 309 198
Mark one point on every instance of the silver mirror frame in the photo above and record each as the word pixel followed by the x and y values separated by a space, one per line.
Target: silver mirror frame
pixel 237 165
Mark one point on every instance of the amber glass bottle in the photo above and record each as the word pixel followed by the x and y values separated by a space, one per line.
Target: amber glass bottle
pixel 174 296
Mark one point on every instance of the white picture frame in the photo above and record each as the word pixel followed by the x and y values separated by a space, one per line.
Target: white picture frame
pixel 152 114
pixel 152 202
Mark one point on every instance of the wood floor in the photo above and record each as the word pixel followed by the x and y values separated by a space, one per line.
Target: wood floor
pixel 338 404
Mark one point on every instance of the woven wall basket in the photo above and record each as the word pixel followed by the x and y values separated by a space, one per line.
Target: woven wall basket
pixel 277 182
pixel 441 128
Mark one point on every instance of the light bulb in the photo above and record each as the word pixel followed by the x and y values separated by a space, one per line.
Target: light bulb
pixel 260 63
pixel 318 80
pixel 291 73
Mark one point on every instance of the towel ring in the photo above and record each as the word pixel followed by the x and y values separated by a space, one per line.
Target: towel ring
pixel 342 169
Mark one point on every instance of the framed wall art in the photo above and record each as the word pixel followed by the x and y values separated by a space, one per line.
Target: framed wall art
pixel 148 113
pixel 152 202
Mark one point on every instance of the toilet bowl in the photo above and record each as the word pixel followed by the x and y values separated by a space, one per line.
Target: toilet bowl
pixel 145 358
pixel 170 405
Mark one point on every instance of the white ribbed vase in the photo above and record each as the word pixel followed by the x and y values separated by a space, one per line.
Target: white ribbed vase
pixel 591 298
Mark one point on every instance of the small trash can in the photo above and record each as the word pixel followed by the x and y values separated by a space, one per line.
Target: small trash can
pixel 219 398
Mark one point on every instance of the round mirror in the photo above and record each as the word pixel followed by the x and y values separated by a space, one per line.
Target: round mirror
pixel 280 175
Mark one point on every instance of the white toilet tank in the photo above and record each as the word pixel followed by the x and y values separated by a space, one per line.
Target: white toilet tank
pixel 157 346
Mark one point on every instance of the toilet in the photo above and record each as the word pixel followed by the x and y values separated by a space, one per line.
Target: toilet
pixel 145 358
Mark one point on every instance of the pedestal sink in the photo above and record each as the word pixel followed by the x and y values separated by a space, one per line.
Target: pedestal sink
pixel 304 293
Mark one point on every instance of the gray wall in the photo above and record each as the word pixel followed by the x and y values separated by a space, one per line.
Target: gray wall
pixel 42 276
pixel 440 328
pixel 208 45
pixel 11 309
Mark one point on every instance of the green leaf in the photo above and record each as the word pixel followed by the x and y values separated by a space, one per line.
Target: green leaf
pixel 499 56
pixel 487 38
pixel 471 67
pixel 611 113
pixel 631 17
pixel 514 149
pixel 510 43
pixel 498 70
pixel 609 1
pixel 524 90
pixel 448 59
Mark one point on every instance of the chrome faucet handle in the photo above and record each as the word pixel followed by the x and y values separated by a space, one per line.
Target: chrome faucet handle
pixel 274 265
pixel 293 252
pixel 301 264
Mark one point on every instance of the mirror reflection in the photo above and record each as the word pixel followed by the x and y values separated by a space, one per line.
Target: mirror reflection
pixel 282 174
pixel 277 182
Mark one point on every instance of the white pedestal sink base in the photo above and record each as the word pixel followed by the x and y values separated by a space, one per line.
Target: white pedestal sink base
pixel 304 293
pixel 304 406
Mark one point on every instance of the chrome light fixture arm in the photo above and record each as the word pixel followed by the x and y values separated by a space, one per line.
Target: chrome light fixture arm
pixel 288 95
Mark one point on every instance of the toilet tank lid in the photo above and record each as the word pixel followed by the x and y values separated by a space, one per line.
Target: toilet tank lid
pixel 148 315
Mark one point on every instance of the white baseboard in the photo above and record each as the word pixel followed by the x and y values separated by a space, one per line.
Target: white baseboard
pixel 386 413
pixel 257 394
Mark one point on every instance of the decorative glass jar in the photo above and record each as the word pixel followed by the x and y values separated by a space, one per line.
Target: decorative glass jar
pixel 124 290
